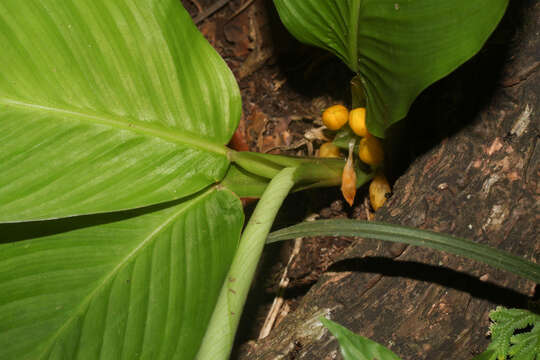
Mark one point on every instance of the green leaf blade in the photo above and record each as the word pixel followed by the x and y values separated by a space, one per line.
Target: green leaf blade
pixel 132 59
pixel 486 355
pixel 48 173
pixel 326 24
pixel 397 47
pixel 405 46
pixel 143 285
pixel 417 237
pixel 89 80
pixel 356 347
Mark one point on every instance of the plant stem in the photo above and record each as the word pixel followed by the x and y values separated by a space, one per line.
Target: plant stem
pixel 268 165
pixel 311 173
pixel 219 337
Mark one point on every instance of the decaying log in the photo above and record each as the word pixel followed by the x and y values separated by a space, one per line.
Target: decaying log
pixel 481 183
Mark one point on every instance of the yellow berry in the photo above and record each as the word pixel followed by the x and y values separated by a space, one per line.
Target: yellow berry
pixel 379 189
pixel 357 121
pixel 335 117
pixel 370 150
pixel 329 150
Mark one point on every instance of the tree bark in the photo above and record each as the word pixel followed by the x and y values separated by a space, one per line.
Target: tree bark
pixel 480 182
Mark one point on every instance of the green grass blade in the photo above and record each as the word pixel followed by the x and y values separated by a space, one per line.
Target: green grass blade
pixel 397 233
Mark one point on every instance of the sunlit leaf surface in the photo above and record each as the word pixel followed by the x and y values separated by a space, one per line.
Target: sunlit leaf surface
pixel 107 105
pixel 138 284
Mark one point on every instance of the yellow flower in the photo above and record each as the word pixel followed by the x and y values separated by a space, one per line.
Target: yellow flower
pixel 357 121
pixel 370 150
pixel 378 190
pixel 335 117
pixel 329 150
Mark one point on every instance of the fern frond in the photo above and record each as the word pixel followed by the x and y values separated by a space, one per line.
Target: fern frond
pixel 522 346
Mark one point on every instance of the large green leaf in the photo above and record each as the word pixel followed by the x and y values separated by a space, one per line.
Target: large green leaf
pixel 398 47
pixel 107 105
pixel 138 284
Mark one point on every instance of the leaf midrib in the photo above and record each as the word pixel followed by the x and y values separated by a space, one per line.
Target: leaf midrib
pixel 144 128
pixel 105 279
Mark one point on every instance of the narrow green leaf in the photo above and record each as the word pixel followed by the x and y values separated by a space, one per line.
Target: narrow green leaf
pixel 130 285
pixel 398 233
pixel 486 355
pixel 356 347
pixel 107 105
pixel 397 47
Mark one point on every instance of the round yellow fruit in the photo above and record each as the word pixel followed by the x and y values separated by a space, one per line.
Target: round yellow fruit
pixel 329 150
pixel 379 189
pixel 370 150
pixel 357 121
pixel 335 117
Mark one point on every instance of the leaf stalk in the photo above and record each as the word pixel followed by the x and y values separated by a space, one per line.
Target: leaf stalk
pixel 218 340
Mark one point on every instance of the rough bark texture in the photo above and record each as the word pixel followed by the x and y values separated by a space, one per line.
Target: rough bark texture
pixel 480 182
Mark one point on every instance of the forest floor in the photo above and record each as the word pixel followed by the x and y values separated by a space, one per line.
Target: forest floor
pixel 286 85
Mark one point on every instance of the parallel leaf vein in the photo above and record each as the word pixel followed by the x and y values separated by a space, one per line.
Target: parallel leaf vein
pixel 172 135
pixel 105 280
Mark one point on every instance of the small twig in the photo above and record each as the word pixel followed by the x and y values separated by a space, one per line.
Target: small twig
pixel 241 9
pixel 283 283
pixel 369 215
pixel 278 300
pixel 522 75
pixel 197 5
pixel 212 9
pixel 293 146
